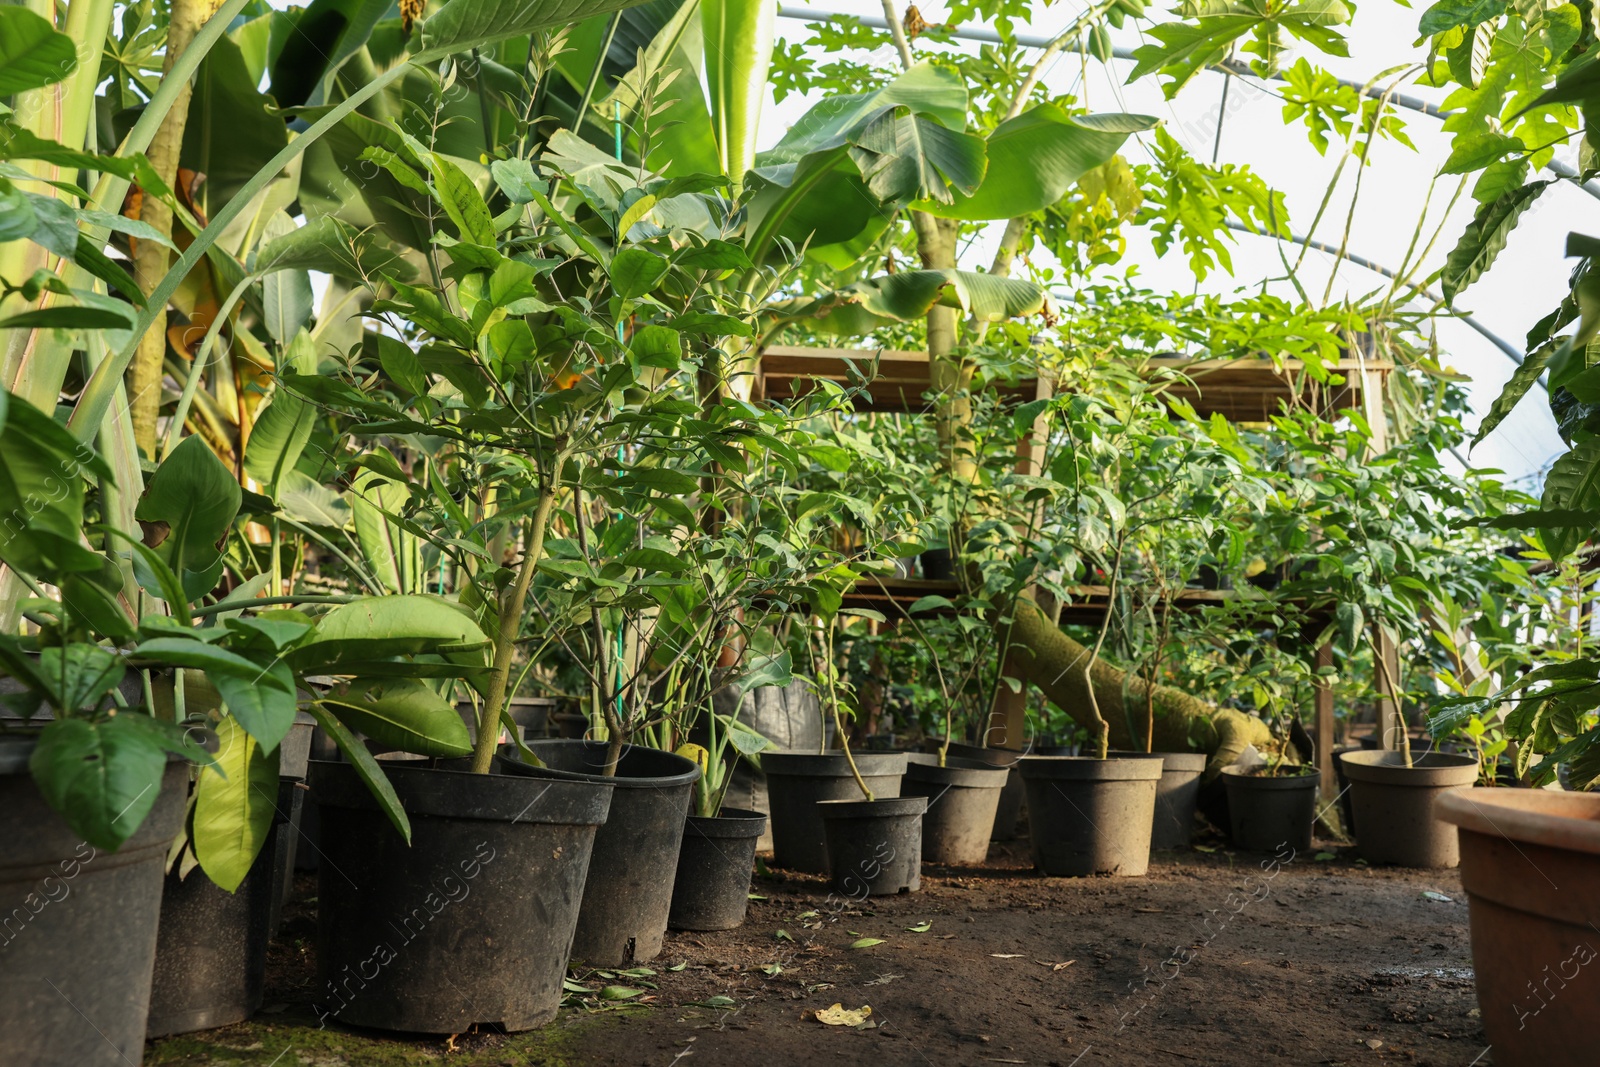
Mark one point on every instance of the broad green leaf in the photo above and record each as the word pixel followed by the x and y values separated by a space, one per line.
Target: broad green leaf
pixel 32 52
pixel 1035 159
pixel 264 707
pixel 393 554
pixel 867 305
pixel 1448 14
pixel 80 674
pixel 304 499
pixel 402 713
pixel 635 271
pixel 739 36
pixel 1474 151
pixel 75 317
pixel 1485 237
pixel 903 156
pixel 1573 484
pixel 196 498
pixel 234 804
pixel 462 25
pixel 372 628
pixel 366 767
pixel 283 426
pixel 1523 379
pixel 103 776
pixel 41 482
pixel 461 200
pixel 769 670
pixel 332 246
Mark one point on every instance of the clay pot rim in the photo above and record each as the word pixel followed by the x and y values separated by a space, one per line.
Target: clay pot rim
pixel 1430 770
pixel 1553 818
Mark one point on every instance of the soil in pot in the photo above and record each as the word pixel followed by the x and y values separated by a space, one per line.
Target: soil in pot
pixel 962 798
pixel 211 955
pixel 1090 816
pixel 1009 811
pixel 1395 805
pixel 629 892
pixel 874 846
pixel 712 887
pixel 472 923
pixel 79 940
pixel 797 782
pixel 1530 863
pixel 1265 813
pixel 1176 796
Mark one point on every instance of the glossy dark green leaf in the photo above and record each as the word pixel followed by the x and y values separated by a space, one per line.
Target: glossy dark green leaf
pixel 366 767
pixel 635 271
pixel 403 714
pixel 32 52
pixel 102 776
pixel 197 499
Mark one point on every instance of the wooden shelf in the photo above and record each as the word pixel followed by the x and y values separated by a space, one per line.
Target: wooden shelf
pixel 1242 390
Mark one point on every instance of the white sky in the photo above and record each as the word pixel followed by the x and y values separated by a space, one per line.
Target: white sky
pixel 1525 283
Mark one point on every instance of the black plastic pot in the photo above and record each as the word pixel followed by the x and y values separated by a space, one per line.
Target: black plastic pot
pixel 962 798
pixel 472 923
pixel 1176 796
pixel 1395 804
pixel 629 892
pixel 874 846
pixel 712 887
pixel 1266 813
pixel 798 781
pixel 1008 812
pixel 78 929
pixel 938 565
pixel 211 955
pixel 1090 816
pixel 531 714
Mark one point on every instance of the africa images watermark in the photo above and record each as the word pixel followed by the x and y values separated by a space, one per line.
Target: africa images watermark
pixel 13 924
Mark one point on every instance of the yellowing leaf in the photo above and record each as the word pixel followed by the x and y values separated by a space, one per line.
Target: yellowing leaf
pixel 921 928
pixel 839 1015
pixel 866 942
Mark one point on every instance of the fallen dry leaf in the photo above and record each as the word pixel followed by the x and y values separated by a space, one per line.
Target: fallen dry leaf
pixel 839 1015
pixel 1006 955
pixel 1055 966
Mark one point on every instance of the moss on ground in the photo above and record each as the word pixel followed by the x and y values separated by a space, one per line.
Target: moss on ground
pixel 259 1043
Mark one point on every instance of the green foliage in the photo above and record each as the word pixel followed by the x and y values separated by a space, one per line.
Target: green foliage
pixel 1188 205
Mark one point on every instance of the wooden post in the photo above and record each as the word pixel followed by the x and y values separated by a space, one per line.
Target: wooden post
pixel 1324 724
pixel 1008 718
pixel 1390 722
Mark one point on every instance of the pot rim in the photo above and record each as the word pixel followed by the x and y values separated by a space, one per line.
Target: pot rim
pixel 881 808
pixel 1431 770
pixel 1283 782
pixel 833 764
pixel 1090 769
pixel 689 773
pixel 730 823
pixel 956 769
pixel 437 792
pixel 1548 817
pixel 1171 761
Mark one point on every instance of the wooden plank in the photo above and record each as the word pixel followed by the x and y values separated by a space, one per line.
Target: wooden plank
pixel 1323 726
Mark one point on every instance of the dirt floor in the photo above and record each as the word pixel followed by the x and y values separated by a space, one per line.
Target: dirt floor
pixel 1216 958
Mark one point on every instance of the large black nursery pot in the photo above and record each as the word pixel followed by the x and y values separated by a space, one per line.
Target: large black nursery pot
pixel 472 923
pixel 78 933
pixel 211 955
pixel 712 888
pixel 1090 816
pixel 1265 812
pixel 1395 805
pixel 629 892
pixel 798 781
pixel 962 798
pixel 1008 812
pixel 874 846
pixel 1530 863
pixel 1176 796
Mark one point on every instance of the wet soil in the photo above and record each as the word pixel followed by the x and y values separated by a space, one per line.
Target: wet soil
pixel 1217 958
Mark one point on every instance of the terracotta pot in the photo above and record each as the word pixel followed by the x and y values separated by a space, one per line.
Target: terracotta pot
pixel 1530 863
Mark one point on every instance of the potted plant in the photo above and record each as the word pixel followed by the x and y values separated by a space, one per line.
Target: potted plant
pixel 1274 802
pixel 873 842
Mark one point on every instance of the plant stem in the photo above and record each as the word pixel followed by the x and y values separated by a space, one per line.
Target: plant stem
pixel 511 605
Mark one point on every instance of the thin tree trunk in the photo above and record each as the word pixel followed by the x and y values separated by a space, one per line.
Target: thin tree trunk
pixel 151 260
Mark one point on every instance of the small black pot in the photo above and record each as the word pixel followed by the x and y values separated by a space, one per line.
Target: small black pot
pixel 1267 813
pixel 211 956
pixel 712 887
pixel 798 781
pixel 1176 796
pixel 629 892
pixel 874 846
pixel 962 798
pixel 471 923
pixel 938 565
pixel 1090 816
pixel 1008 812
pixel 78 940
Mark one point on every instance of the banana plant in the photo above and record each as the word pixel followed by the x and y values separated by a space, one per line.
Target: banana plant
pixel 238 669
